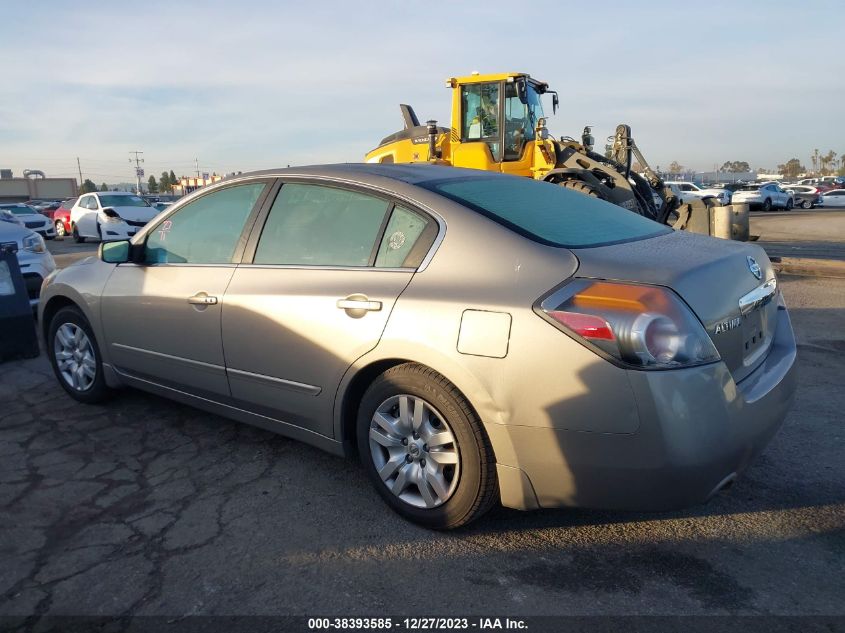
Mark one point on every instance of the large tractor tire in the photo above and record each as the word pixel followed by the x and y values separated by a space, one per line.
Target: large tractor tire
pixel 581 187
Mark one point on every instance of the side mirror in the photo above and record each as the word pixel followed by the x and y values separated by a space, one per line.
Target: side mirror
pixel 114 252
pixel 555 103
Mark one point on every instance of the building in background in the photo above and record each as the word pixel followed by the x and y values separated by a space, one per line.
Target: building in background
pixel 34 185
pixel 188 185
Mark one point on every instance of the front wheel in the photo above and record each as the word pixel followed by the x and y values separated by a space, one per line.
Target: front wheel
pixel 789 204
pixel 76 236
pixel 806 204
pixel 767 205
pixel 60 229
pixel 425 449
pixel 581 187
pixel 75 357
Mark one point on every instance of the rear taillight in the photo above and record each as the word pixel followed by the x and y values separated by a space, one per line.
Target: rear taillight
pixel 641 326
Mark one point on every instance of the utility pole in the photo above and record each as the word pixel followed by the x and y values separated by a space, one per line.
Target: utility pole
pixel 79 167
pixel 139 172
pixel 197 163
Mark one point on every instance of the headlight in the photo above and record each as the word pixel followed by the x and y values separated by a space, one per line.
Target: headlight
pixel 643 327
pixel 34 243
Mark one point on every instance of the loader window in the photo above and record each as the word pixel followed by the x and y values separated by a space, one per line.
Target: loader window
pixel 520 120
pixel 480 115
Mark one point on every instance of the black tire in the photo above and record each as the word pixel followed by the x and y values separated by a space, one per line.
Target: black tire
pixel 806 204
pixel 767 205
pixel 581 187
pixel 76 236
pixel 477 489
pixel 789 204
pixel 49 237
pixel 98 391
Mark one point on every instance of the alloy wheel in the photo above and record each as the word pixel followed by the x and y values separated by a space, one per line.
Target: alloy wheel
pixel 414 451
pixel 74 356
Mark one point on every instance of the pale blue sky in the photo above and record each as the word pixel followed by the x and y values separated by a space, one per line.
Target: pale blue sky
pixel 249 85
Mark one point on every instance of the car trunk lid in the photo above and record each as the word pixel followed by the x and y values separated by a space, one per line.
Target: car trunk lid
pixel 717 280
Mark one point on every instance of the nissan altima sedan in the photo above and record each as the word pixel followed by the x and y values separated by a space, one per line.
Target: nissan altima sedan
pixel 474 338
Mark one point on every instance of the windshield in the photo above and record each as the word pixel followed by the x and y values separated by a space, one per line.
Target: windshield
pixel 123 201
pixel 547 213
pixel 21 210
pixel 520 118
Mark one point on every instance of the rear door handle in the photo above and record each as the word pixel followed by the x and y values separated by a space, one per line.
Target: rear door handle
pixel 202 299
pixel 358 305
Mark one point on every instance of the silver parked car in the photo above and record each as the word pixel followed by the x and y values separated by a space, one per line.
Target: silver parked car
pixel 474 337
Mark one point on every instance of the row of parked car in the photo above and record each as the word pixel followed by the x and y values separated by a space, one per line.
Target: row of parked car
pixel 807 194
pixel 106 216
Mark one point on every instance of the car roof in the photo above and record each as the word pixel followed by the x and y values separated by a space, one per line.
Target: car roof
pixel 371 173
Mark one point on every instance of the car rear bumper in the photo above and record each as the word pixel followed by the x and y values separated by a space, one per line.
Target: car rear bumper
pixel 698 431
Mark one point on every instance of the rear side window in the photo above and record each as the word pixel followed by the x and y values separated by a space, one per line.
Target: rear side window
pixel 312 225
pixel 406 239
pixel 548 213
pixel 205 231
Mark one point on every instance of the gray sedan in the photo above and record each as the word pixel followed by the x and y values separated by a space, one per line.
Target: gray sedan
pixel 475 338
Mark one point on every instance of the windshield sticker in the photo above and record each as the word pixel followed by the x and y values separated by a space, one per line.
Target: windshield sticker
pixel 165 229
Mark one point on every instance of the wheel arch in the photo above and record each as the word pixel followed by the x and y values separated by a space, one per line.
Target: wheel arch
pixel 53 305
pixel 361 375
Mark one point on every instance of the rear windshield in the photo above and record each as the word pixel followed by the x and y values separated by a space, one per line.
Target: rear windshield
pixel 548 213
pixel 750 188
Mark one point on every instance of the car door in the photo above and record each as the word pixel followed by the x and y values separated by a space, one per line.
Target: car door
pixel 80 213
pixel 313 294
pixel 161 315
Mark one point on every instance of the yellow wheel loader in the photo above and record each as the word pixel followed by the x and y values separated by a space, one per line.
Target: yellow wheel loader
pixel 498 124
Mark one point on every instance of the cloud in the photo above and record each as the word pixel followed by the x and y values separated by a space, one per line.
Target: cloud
pixel 255 84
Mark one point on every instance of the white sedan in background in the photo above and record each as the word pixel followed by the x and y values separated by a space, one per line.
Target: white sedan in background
pixel 109 215
pixel 686 190
pixel 35 260
pixel 765 196
pixel 31 219
pixel 833 198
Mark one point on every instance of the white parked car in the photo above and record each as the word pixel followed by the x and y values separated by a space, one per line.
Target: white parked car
pixel 766 196
pixel 31 219
pixel 687 190
pixel 33 257
pixel 833 198
pixel 109 215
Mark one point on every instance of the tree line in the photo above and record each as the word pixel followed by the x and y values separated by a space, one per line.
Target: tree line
pixel 164 184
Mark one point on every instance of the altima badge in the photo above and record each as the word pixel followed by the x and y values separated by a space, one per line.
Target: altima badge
pixel 727 326
pixel 754 267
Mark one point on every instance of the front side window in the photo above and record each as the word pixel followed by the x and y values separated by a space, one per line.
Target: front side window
pixel 520 119
pixel 205 231
pixel 313 225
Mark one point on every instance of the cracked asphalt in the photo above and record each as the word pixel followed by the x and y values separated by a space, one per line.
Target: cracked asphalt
pixel 147 507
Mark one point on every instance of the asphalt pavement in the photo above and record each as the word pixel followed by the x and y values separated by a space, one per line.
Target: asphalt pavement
pixel 143 506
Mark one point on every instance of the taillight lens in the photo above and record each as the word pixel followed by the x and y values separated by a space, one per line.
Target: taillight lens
pixel 644 327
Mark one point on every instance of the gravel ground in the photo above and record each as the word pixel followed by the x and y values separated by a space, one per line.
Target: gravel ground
pixel 143 506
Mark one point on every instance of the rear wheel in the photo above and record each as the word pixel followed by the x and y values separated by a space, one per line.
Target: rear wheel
pixel 424 448
pixel 767 205
pixel 806 204
pixel 76 236
pixel 60 229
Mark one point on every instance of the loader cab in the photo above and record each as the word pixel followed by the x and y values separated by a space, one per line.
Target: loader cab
pixel 496 119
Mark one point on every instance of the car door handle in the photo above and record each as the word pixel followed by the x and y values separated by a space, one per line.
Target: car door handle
pixel 359 304
pixel 202 299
